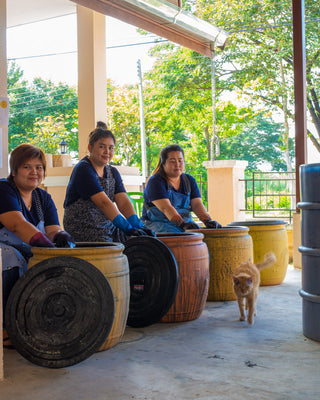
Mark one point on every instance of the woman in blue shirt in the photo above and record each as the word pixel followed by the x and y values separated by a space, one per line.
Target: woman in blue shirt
pixel 97 207
pixel 171 195
pixel 28 216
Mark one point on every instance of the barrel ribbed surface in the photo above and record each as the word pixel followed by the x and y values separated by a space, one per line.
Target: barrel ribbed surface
pixel 310 249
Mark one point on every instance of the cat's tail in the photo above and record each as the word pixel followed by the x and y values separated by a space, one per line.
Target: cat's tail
pixel 269 259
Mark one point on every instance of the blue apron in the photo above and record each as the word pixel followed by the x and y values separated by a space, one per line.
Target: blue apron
pixel 180 201
pixel 14 252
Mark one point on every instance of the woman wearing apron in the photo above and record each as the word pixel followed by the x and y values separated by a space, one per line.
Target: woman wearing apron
pixel 171 195
pixel 28 216
pixel 97 207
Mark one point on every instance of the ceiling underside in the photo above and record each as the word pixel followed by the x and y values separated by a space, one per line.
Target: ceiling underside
pixel 21 12
pixel 163 20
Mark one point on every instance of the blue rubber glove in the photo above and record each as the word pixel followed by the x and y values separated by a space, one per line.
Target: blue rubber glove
pixel 135 221
pixel 137 224
pixel 122 224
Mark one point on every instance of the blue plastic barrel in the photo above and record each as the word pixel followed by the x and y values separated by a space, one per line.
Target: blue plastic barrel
pixel 310 249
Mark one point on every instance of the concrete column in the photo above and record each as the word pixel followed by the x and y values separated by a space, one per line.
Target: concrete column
pixel 3 88
pixel 226 195
pixel 3 138
pixel 1 324
pixel 92 81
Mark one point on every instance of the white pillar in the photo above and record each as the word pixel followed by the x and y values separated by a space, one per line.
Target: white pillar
pixel 92 80
pixel 3 138
pixel 3 88
pixel 1 323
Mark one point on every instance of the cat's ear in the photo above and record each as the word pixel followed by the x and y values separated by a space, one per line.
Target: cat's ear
pixel 235 280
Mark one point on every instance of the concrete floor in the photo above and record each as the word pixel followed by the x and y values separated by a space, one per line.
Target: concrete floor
pixel 213 357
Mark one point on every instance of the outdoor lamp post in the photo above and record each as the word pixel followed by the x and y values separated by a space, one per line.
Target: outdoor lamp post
pixel 63 147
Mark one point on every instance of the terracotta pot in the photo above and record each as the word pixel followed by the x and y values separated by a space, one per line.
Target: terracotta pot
pixel 192 257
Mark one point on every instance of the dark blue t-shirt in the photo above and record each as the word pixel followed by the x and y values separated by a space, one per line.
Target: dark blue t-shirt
pixel 84 182
pixel 11 200
pixel 157 188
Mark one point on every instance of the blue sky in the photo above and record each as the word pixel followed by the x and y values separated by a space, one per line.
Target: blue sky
pixel 48 49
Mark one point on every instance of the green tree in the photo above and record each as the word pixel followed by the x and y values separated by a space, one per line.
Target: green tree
pixel 259 55
pixel 178 104
pixel 123 120
pixel 49 131
pixel 32 106
pixel 258 144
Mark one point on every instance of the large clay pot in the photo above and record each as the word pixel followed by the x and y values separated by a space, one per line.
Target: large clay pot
pixel 110 260
pixel 228 247
pixel 192 258
pixel 267 236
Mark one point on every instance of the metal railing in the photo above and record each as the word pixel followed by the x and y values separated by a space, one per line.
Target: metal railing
pixel 270 195
pixel 203 188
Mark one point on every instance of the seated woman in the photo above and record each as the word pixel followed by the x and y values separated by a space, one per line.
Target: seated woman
pixel 97 207
pixel 28 216
pixel 171 195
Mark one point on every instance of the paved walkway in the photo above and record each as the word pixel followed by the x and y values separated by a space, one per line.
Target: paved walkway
pixel 213 357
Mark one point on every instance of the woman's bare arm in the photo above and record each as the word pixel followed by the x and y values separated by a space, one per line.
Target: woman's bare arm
pixel 105 205
pixel 198 208
pixel 16 223
pixel 168 210
pixel 124 204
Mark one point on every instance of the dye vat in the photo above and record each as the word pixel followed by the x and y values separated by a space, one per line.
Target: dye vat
pixel 267 236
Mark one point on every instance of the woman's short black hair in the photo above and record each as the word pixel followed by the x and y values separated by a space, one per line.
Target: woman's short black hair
pixel 100 132
pixel 23 153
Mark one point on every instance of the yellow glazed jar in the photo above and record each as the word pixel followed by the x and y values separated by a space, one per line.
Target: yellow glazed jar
pixel 269 235
pixel 228 247
pixel 109 259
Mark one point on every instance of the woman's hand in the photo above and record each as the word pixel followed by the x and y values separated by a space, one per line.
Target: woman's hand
pixel 138 224
pixel 189 225
pixel 40 240
pixel 211 224
pixel 200 211
pixel 148 232
pixel 63 239
pixel 165 206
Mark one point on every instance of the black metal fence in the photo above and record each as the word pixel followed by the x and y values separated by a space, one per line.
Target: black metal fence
pixel 203 187
pixel 270 195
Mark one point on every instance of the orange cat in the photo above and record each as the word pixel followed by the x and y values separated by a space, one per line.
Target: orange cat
pixel 246 281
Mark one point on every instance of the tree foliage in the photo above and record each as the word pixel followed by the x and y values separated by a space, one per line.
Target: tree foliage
pixel 260 54
pixel 41 113
pixel 254 104
pixel 179 104
pixel 259 144
pixel 123 120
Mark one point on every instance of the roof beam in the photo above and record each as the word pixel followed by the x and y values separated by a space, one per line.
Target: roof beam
pixel 163 19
